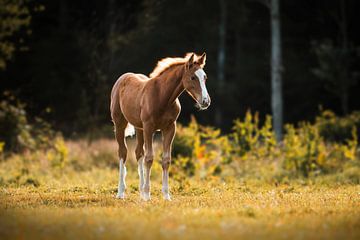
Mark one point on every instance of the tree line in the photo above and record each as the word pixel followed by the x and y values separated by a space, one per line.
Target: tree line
pixel 61 57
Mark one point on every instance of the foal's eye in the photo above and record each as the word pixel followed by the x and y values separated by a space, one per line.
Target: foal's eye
pixel 193 78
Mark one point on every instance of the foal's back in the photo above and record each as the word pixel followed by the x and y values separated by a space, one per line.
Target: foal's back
pixel 126 97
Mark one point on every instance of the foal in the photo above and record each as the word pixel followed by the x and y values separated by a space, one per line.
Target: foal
pixel 151 104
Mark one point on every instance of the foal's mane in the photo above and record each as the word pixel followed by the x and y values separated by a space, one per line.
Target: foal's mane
pixel 166 63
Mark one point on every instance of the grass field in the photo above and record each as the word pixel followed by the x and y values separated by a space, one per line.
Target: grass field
pixel 201 210
pixel 38 201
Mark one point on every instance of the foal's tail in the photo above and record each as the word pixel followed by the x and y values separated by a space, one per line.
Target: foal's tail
pixel 129 130
pixel 115 108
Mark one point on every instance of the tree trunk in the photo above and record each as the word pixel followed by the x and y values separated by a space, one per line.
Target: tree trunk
pixel 276 69
pixel 221 59
pixel 345 81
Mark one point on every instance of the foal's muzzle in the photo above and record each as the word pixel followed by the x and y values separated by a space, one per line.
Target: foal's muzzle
pixel 204 103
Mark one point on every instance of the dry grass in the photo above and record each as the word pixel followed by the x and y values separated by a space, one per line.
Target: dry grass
pixel 72 203
pixel 201 210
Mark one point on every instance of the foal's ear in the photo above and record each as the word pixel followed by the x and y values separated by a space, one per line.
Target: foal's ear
pixel 190 62
pixel 202 60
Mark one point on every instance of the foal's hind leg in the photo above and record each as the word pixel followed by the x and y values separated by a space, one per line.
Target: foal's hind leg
pixel 120 125
pixel 139 153
pixel 168 137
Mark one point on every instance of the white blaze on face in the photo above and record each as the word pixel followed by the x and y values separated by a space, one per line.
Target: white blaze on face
pixel 201 76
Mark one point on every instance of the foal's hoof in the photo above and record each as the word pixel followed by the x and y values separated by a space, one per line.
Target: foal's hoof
pixel 120 196
pixel 145 196
pixel 167 197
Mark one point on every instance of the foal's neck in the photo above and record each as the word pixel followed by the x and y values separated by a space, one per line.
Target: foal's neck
pixel 171 84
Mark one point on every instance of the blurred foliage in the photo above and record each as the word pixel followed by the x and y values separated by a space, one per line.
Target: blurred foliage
pixel 2 145
pixel 18 135
pixel 15 17
pixel 58 154
pixel 337 129
pixel 200 150
pixel 79 48
pixel 250 152
pixel 251 139
pixel 14 127
pixel 307 150
pixel 307 153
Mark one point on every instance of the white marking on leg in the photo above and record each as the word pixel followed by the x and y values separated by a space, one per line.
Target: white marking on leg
pixel 201 76
pixel 165 181
pixel 146 193
pixel 122 184
pixel 165 187
pixel 141 175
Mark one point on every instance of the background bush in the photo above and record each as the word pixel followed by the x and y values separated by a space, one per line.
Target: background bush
pixel 308 150
pixel 250 152
pixel 14 127
pixel 337 129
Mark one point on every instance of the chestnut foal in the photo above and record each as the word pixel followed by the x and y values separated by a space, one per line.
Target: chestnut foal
pixel 151 104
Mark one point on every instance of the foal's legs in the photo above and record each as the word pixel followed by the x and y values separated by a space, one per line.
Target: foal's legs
pixel 168 137
pixel 120 126
pixel 148 160
pixel 139 153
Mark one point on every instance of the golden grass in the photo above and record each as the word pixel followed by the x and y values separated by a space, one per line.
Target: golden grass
pixel 77 202
pixel 201 210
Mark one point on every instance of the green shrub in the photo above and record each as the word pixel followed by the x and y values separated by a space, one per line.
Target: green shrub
pixel 251 139
pixel 302 149
pixel 18 135
pixel 14 127
pixel 200 150
pixel 306 150
pixel 57 154
pixel 184 139
pixel 307 153
pixel 337 129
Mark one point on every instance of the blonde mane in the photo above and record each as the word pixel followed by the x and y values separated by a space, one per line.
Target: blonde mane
pixel 166 63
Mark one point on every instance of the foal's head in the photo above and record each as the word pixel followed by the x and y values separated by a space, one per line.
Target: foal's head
pixel 194 81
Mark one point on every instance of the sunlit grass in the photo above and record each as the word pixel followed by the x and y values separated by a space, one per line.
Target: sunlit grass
pixel 40 201
pixel 202 209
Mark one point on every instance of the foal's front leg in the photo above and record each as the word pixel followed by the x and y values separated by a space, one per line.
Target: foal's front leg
pixel 139 153
pixel 168 137
pixel 148 160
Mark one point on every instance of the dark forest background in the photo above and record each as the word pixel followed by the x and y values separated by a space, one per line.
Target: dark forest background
pixel 67 58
